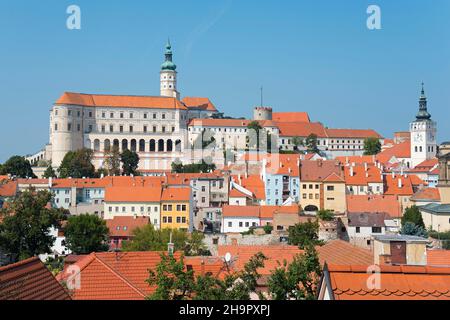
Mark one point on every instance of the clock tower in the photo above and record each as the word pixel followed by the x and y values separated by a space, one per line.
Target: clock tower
pixel 423 134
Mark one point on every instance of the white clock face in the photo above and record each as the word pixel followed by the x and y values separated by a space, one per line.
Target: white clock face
pixel 418 138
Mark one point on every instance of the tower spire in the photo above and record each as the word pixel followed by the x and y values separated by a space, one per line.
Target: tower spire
pixel 423 113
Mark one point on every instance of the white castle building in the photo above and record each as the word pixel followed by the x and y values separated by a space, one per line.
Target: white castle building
pixel 153 126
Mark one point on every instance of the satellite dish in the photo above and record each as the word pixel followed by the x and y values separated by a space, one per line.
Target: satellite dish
pixel 227 257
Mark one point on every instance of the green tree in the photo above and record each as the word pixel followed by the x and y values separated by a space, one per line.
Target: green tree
pixel 27 220
pixel 55 265
pixel 325 215
pixel 311 144
pixel 174 281
pixel 203 167
pixel 77 164
pixel 147 238
pixel 413 215
pixel 411 229
pixel 297 142
pixel 130 162
pixel 86 233
pixel 195 245
pixel 372 146
pixel 49 172
pixel 304 234
pixel 268 229
pixel 298 280
pixel 112 161
pixel 18 166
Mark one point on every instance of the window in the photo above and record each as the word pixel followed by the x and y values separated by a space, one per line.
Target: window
pixel 203 188
pixel 376 229
pixel 230 224
pixel 121 115
pixel 111 115
pixel 330 188
pixel 103 128
pixel 247 224
pixel 241 224
pixel 69 127
pixel 103 115
pixel 131 116
pixel 358 229
pixel 56 127
pixel 169 219
pixel 145 128
pixel 183 220
pixel 145 116
pixel 78 127
pixel 178 207
pixel 173 129
pixel 121 129
pixel 183 207
pixel 131 128
pixel 164 219
pixel 178 219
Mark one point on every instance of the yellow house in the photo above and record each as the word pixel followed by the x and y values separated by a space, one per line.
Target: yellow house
pixel 176 207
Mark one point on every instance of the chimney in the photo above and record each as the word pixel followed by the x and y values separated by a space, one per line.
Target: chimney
pixel 365 166
pixel 352 173
pixel 393 174
pixel 319 163
pixel 346 160
pixel 400 182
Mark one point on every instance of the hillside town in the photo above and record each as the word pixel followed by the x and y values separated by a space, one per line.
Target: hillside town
pixel 128 186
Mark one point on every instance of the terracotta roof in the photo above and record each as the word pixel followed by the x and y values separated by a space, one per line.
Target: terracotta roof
pixel 235 193
pixel 115 276
pixel 427 194
pixel 289 129
pixel 267 212
pixel 396 283
pixel 336 251
pixel 290 117
pixel 352 133
pixel 400 150
pixel 132 194
pixel 438 258
pixel 357 159
pixel 240 211
pixel 319 170
pixel 176 194
pixel 283 164
pixel 374 203
pixel 99 100
pixel 8 188
pixel 124 226
pixel 199 103
pixel 253 183
pixel 426 165
pixel 367 219
pixel 392 185
pixel 30 280
pixel 214 266
pixel 361 177
pixel 229 123
pixel 344 253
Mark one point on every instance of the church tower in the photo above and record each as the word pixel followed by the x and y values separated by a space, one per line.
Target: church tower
pixel 423 134
pixel 168 75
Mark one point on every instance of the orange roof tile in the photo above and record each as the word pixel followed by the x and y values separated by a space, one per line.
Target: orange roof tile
pixel 124 226
pixel 253 183
pixel 400 150
pixel 214 266
pixel 396 283
pixel 30 280
pixel 361 177
pixel 132 194
pixel 374 203
pixel 229 123
pixel 319 170
pixel 98 100
pixel 427 194
pixel 357 159
pixel 290 117
pixel 199 102
pixel 289 129
pixel 235 193
pixel 438 258
pixel 267 212
pixel 8 188
pixel 176 194
pixel 344 253
pixel 352 133
pixel 240 211
pixel 283 164
pixel 392 185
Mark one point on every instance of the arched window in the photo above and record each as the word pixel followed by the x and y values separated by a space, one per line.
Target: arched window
pixel 169 146
pixel 142 145
pixel 178 145
pixel 124 144
pixel 133 145
pixel 152 145
pixel 107 144
pixel 116 144
pixel 160 145
pixel 96 145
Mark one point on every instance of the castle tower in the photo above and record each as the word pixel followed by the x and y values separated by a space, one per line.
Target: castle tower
pixel 168 75
pixel 262 113
pixel 423 134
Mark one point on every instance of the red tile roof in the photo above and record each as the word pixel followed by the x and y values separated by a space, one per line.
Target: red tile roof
pixel 427 194
pixel 263 212
pixel 438 258
pixel 8 188
pixel 235 193
pixel 289 129
pixel 124 226
pixel 254 184
pixel 30 280
pixel 283 164
pixel 229 123
pixel 199 103
pixel 352 133
pixel 392 185
pixel 319 170
pixel 374 203
pixel 115 276
pixel 357 159
pixel 400 150
pixel 98 100
pixel 344 253
pixel 290 117
pixel 396 283
pixel 176 194
pixel 361 177
pixel 132 194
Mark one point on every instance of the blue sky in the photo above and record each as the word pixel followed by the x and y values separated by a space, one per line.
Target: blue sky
pixel 310 55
